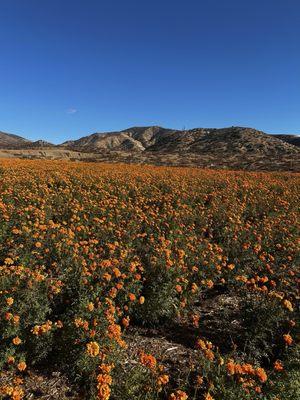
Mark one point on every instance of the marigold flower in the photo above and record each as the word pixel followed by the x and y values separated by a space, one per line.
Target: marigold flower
pixel 230 366
pixel 178 395
pixel 209 284
pixel 17 394
pixel 125 322
pixel 21 366
pixel 162 380
pixel 132 297
pixel 201 344
pixel 104 379
pixel 93 349
pixel 178 289
pixel 16 341
pixel 10 360
pixel 278 366
pixel 288 305
pixel 261 374
pixel 10 301
pixel 199 380
pixel 103 392
pixel 148 360
pixel 90 306
pixel 288 339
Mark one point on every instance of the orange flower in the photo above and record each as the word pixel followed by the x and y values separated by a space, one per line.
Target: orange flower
pixel 178 289
pixel 93 349
pixel 148 360
pixel 10 360
pixel 16 341
pixel 178 395
pixel 288 305
pixel 90 307
pixel 230 366
pixel 10 301
pixel 201 344
pixel 21 366
pixel 199 380
pixel 288 339
pixel 261 374
pixel 278 366
pixel 125 322
pixel 103 392
pixel 162 380
pixel 132 297
pixel 142 300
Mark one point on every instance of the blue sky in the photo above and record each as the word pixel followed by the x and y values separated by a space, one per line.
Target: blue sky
pixel 71 68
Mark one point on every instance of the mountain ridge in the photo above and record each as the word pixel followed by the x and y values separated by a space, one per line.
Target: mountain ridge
pixel 232 147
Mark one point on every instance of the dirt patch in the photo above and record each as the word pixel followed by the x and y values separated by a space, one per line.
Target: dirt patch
pixel 36 385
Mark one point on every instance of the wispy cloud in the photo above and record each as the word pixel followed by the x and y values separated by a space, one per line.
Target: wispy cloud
pixel 72 111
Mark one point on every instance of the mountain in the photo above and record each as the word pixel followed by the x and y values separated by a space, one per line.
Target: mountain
pixel 38 144
pixel 9 140
pixel 291 139
pixel 197 141
pixel 231 148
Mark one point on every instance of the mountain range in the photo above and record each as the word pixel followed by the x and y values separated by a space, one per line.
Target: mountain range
pixel 231 148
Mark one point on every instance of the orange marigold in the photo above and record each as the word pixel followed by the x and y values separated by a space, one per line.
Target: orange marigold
pixel 10 301
pixel 261 374
pixel 16 341
pixel 148 360
pixel 288 339
pixel 162 380
pixel 93 349
pixel 132 297
pixel 278 366
pixel 22 366
pixel 288 305
pixel 178 395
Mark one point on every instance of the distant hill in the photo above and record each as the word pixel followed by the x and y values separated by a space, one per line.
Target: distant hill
pixel 291 139
pixel 197 141
pixel 231 148
pixel 9 140
pixel 38 144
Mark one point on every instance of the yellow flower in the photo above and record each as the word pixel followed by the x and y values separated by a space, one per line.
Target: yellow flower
pixel 10 301
pixel 178 395
pixel 288 305
pixel 90 307
pixel 162 380
pixel 93 349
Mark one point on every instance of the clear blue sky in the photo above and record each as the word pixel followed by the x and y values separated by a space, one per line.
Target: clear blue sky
pixel 71 68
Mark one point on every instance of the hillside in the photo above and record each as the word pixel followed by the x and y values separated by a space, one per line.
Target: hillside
pixel 230 148
pixel 9 140
pixel 291 139
pixel 235 147
pixel 197 141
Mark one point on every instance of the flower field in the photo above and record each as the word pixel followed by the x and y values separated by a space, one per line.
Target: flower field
pixel 102 265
